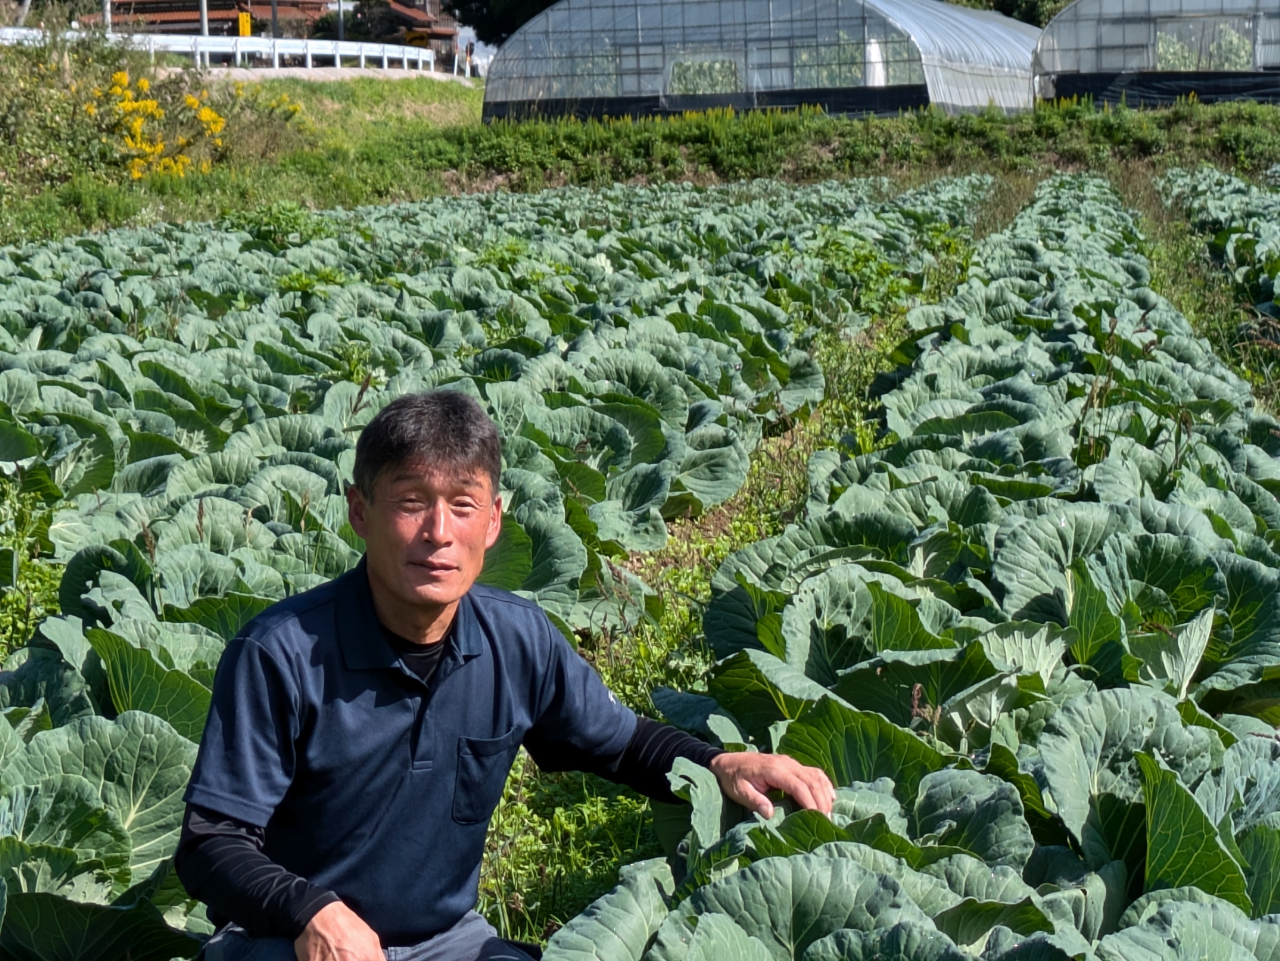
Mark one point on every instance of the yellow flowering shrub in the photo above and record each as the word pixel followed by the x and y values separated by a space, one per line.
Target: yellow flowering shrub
pixel 91 107
pixel 140 123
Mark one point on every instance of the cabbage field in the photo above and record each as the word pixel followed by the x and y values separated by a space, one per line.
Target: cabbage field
pixel 184 401
pixel 1033 635
pixel 1035 641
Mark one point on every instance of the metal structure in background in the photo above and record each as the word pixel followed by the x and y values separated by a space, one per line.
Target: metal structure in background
pixel 237 50
pixel 1153 51
pixel 644 57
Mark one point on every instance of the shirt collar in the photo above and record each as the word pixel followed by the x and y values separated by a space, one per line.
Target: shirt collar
pixel 365 647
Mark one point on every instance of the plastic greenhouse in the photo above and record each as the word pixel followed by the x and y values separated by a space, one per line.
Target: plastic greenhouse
pixel 643 57
pixel 1152 51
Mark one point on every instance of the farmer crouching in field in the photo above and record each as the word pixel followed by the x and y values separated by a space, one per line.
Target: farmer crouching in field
pixel 361 733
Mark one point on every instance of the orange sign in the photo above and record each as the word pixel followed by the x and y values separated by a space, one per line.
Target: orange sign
pixel 244 25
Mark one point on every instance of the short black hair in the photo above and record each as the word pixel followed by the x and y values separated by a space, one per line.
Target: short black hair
pixel 439 428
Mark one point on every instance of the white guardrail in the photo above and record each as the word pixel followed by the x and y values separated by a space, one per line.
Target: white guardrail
pixel 201 48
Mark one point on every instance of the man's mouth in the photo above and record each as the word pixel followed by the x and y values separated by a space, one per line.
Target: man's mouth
pixel 435 567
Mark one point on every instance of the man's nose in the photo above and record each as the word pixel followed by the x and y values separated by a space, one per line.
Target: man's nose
pixel 437 529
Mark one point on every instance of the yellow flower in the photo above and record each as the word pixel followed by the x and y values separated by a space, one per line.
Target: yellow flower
pixel 120 79
pixel 144 84
pixel 213 122
pixel 91 110
pixel 192 102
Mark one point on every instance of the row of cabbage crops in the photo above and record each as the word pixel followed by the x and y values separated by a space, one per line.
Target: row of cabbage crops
pixel 1243 223
pixel 1035 641
pixel 183 402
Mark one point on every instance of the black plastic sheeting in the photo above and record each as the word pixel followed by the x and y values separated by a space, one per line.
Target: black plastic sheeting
pixel 1162 88
pixel 834 100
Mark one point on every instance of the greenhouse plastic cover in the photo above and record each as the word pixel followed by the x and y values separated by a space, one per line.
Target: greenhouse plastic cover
pixel 580 50
pixel 1192 37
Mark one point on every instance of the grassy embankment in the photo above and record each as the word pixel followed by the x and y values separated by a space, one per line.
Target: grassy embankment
pixel 369 141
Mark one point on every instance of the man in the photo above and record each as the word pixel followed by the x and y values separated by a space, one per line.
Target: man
pixel 360 734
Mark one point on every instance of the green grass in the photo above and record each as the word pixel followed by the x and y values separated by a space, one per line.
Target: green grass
pixel 348 112
pixel 555 845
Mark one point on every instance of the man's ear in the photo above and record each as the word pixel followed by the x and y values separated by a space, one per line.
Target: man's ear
pixel 495 523
pixel 356 509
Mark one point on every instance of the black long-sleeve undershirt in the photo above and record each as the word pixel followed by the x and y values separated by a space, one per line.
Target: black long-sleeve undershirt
pixel 220 860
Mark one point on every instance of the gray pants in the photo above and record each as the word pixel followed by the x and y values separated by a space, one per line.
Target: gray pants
pixel 471 939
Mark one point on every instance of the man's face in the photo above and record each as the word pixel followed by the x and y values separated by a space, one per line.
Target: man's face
pixel 426 530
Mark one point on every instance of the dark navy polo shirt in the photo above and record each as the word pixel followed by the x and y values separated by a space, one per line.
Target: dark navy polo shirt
pixel 371 783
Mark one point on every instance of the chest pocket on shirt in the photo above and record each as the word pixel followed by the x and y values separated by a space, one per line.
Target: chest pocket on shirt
pixel 483 765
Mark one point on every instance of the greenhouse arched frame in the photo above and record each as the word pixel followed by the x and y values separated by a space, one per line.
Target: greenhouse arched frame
pixel 595 58
pixel 1150 52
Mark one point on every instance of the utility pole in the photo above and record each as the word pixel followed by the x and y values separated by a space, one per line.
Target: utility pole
pixel 340 28
pixel 275 20
pixel 106 15
pixel 204 18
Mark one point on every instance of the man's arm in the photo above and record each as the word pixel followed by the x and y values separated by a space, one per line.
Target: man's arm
pixel 747 778
pixel 581 726
pixel 649 756
pixel 243 770
pixel 220 861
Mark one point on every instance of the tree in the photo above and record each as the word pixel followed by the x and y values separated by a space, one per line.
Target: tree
pixel 495 20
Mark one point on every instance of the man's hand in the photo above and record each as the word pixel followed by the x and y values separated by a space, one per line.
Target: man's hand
pixel 748 777
pixel 336 933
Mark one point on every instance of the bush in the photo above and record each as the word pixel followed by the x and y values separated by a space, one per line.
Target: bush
pixel 89 108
